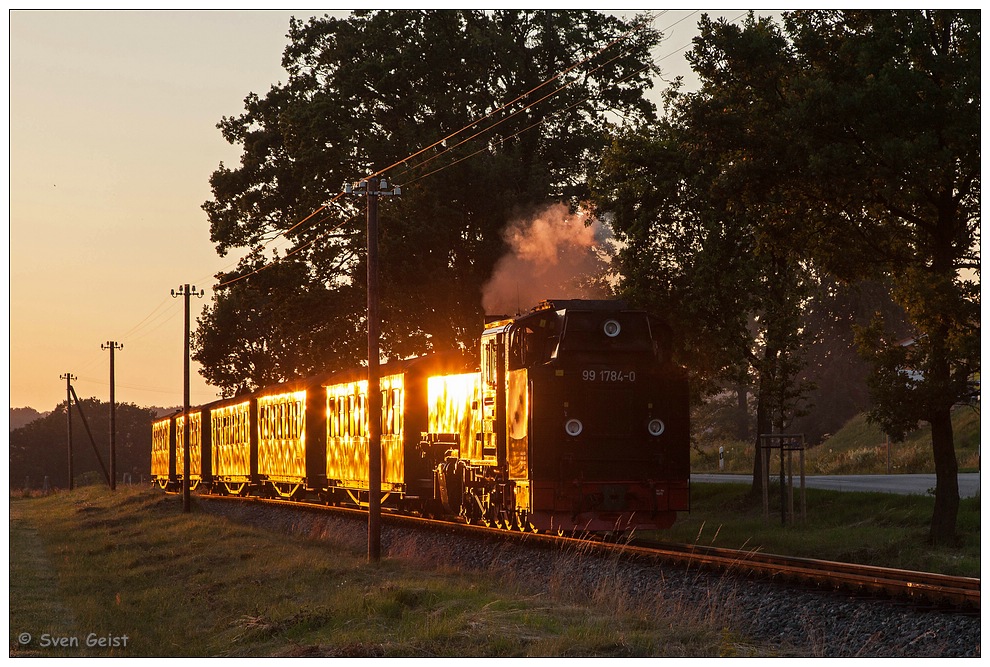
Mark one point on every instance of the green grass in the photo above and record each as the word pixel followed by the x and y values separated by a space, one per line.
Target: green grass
pixel 870 528
pixel 92 563
pixel 859 448
pixel 130 563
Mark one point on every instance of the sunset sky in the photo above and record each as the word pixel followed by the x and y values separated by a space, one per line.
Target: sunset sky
pixel 112 141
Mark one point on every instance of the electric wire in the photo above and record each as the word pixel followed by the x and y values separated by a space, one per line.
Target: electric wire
pixel 293 251
pixel 146 318
pixel 155 315
pixel 537 123
pixel 618 39
pixel 519 111
pixel 174 313
pixel 522 109
pixel 133 387
pixel 648 20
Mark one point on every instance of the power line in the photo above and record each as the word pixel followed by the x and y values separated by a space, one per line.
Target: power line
pixel 293 251
pixel 155 315
pixel 618 39
pixel 148 316
pixel 171 316
pixel 528 106
pixel 470 125
pixel 650 18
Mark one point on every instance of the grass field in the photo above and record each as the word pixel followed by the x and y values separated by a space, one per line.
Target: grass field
pixel 859 448
pixel 870 528
pixel 129 569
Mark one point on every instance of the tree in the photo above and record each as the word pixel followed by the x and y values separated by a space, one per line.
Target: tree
pixel 39 449
pixel 379 91
pixel 275 326
pixel 854 137
pixel 22 416
pixel 835 366
pixel 735 308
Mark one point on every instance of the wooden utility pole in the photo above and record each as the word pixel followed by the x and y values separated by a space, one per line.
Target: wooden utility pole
pixel 186 291
pixel 373 190
pixel 68 377
pixel 112 345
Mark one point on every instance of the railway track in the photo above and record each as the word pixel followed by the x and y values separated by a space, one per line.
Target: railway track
pixel 960 594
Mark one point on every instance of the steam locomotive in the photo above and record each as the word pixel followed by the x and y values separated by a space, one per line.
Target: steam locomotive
pixel 574 419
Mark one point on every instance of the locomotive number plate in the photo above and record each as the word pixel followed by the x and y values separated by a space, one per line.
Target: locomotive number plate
pixel 608 375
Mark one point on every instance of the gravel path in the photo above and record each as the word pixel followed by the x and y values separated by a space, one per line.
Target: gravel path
pixel 796 621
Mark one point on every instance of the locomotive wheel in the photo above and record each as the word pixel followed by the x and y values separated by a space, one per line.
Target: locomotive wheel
pixel 524 523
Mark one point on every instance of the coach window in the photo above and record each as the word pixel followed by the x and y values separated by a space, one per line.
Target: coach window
pixel 361 416
pixel 349 417
pixel 397 411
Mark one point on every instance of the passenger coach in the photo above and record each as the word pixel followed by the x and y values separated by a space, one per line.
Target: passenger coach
pixel 571 417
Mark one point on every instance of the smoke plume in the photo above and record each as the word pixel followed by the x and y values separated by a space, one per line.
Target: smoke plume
pixel 553 255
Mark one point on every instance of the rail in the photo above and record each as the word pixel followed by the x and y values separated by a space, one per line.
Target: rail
pixel 959 593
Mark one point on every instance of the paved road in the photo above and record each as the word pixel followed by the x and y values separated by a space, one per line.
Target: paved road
pixel 969 482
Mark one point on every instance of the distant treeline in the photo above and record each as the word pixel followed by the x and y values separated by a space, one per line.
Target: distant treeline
pixel 39 449
pixel 23 416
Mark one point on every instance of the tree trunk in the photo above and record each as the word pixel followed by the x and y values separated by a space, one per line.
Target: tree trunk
pixel 943 529
pixel 762 426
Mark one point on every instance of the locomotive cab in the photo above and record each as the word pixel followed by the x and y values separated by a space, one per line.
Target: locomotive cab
pixel 601 448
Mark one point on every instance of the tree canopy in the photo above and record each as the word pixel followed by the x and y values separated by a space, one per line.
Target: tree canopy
pixel 39 450
pixel 736 309
pixel 822 153
pixel 850 140
pixel 369 93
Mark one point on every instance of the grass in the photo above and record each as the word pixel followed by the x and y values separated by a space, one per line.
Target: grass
pixel 859 448
pixel 94 564
pixel 870 528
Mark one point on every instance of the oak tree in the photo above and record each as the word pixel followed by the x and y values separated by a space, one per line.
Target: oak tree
pixel 417 96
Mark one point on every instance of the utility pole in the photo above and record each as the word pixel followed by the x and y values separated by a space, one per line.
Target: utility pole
pixel 186 291
pixel 373 190
pixel 112 345
pixel 68 377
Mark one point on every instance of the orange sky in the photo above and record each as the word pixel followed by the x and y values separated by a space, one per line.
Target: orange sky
pixel 112 141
